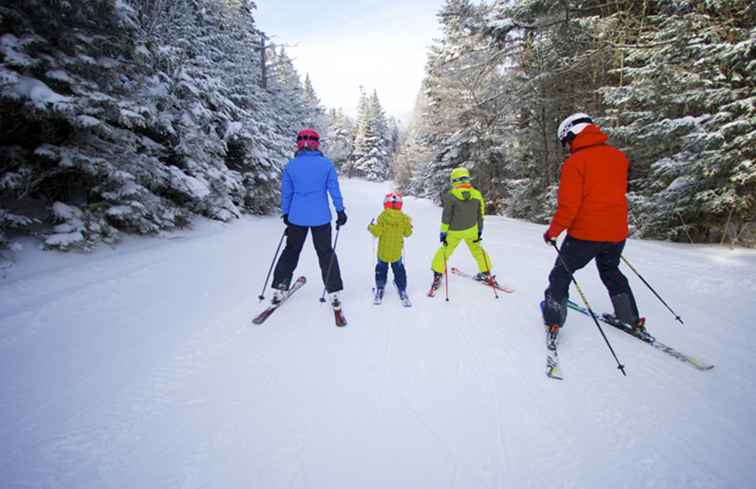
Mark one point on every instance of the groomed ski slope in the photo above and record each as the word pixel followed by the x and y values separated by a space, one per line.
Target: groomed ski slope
pixel 138 367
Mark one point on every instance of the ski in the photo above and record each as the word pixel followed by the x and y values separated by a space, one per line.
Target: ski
pixel 552 356
pixel 552 365
pixel 499 287
pixel 644 337
pixel 272 308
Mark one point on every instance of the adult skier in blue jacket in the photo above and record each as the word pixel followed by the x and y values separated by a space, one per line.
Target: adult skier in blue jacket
pixel 306 182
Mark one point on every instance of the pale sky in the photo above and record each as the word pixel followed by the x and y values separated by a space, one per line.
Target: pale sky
pixel 379 44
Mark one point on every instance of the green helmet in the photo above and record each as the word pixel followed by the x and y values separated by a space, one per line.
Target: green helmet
pixel 460 175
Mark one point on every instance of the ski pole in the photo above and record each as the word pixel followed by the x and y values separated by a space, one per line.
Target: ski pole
pixel 280 242
pixel 488 266
pixel 677 317
pixel 588 306
pixel 330 264
pixel 375 254
pixel 446 274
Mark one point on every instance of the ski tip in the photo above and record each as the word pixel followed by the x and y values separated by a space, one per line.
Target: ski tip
pixel 554 373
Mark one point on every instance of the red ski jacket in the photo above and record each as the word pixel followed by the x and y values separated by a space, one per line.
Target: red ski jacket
pixel 592 204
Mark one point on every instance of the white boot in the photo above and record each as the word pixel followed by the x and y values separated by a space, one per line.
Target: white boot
pixel 278 296
pixel 333 298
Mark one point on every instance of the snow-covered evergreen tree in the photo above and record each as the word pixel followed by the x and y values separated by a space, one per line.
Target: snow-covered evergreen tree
pixel 134 115
pixel 464 115
pixel 685 109
pixel 315 115
pixel 669 80
pixel 340 143
pixel 372 145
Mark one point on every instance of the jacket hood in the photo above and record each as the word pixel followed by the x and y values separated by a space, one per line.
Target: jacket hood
pixel 590 136
pixel 393 216
pixel 463 193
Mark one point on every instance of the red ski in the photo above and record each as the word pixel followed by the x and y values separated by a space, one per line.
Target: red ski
pixel 457 271
pixel 272 308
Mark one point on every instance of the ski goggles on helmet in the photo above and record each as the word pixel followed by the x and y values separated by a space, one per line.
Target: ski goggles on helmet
pixel 307 137
pixel 462 179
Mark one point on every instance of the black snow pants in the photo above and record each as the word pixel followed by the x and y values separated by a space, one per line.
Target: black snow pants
pixel 577 253
pixel 295 238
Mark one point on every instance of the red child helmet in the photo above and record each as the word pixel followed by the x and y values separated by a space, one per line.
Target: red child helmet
pixel 392 201
pixel 308 138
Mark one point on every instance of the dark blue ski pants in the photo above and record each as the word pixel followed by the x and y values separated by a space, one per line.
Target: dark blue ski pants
pixel 577 253
pixel 400 274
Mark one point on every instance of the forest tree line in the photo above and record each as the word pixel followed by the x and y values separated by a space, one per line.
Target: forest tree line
pixel 673 83
pixel 135 115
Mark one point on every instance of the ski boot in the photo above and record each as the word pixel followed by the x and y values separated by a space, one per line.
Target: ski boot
pixel 436 283
pixel 639 330
pixel 278 296
pixel 640 326
pixel 485 277
pixel 404 298
pixel 378 297
pixel 333 298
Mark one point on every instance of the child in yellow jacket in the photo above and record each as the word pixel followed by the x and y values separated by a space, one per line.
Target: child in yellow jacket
pixel 391 228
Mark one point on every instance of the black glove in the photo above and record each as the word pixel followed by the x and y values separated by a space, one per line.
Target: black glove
pixel 285 218
pixel 480 231
pixel 443 238
pixel 341 219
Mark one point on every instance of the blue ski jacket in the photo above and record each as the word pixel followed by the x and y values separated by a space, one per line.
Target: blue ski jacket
pixel 305 183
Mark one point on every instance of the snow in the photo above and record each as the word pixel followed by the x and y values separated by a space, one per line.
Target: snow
pixel 60 75
pixel 37 91
pixel 9 47
pixel 138 366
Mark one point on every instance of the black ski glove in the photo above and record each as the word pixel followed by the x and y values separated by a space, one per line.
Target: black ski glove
pixel 442 236
pixel 285 218
pixel 341 219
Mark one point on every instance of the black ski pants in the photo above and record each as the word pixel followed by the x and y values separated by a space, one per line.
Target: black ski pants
pixel 577 253
pixel 287 263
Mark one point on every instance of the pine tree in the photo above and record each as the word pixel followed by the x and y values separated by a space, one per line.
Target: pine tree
pixel 340 143
pixel 371 157
pixel 314 116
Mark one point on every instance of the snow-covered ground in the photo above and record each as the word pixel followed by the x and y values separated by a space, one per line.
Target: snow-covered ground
pixel 138 367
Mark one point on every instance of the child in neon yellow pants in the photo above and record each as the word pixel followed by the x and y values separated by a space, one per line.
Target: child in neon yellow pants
pixel 462 220
pixel 453 238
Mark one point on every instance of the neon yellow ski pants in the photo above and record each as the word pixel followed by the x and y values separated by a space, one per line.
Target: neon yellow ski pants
pixel 453 238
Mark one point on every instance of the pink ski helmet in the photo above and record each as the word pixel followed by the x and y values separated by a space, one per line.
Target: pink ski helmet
pixel 392 201
pixel 308 138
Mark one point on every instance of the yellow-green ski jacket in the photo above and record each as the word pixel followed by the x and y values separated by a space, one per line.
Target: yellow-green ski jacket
pixel 391 227
pixel 464 208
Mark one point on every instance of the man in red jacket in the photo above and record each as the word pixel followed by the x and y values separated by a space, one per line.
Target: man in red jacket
pixel 592 208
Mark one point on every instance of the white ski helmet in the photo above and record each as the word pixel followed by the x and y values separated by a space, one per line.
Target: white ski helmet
pixel 572 126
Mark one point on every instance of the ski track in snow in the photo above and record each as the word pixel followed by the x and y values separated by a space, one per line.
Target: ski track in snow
pixel 139 367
